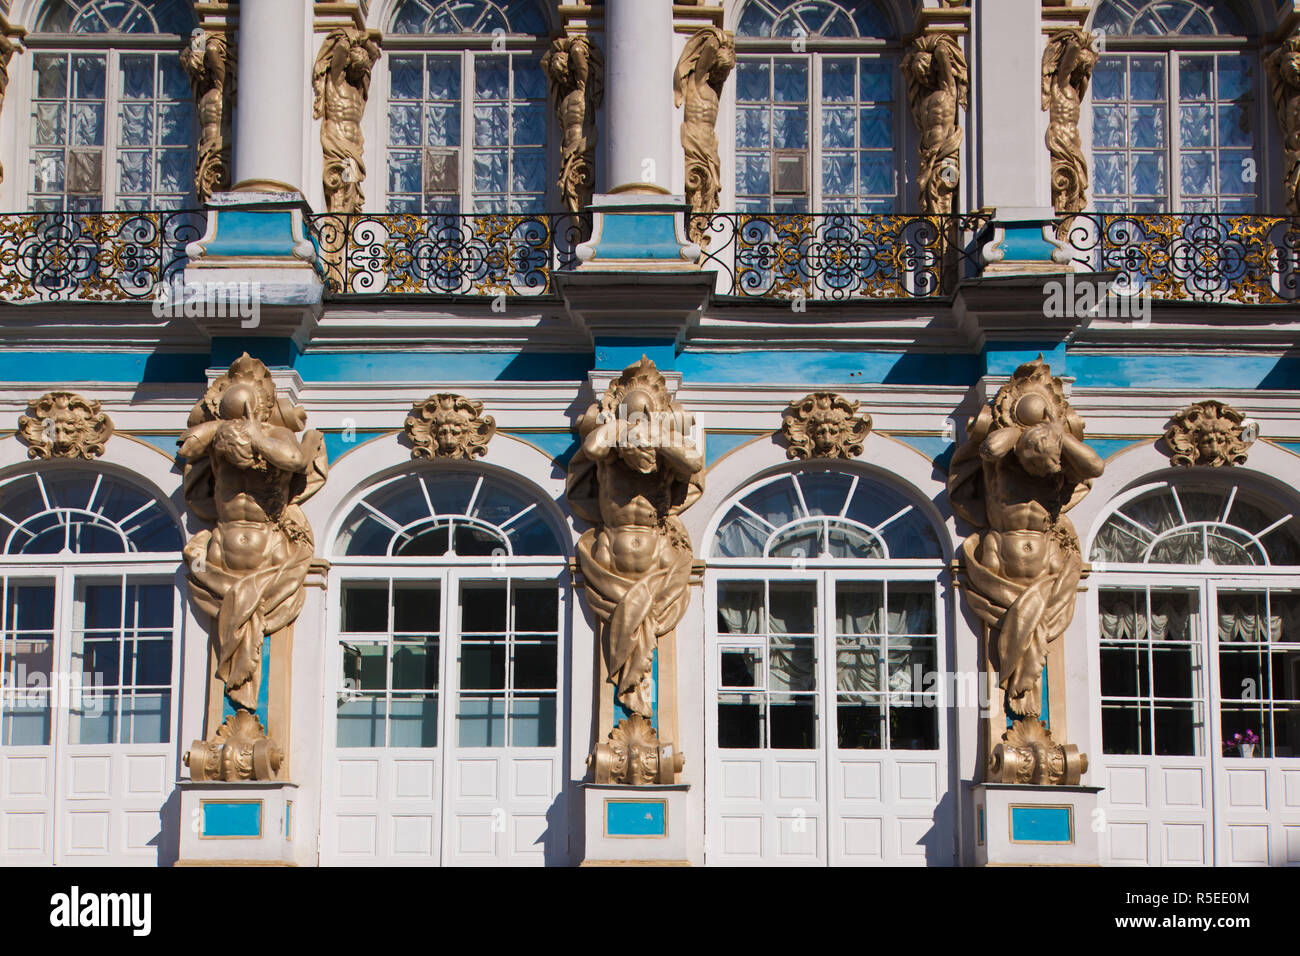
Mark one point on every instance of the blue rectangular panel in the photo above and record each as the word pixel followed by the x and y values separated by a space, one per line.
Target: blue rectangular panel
pixel 636 818
pixel 1042 825
pixel 234 819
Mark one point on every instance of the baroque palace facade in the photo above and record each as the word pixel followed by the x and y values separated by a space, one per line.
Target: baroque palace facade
pixel 751 432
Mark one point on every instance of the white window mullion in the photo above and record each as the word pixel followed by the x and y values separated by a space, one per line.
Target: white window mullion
pixel 468 100
pixel 1174 115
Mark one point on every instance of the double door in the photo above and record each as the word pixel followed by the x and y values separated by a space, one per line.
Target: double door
pixel 826 734
pixel 1185 665
pixel 444 718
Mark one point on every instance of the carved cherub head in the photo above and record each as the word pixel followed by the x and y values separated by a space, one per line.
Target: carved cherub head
pixel 64 425
pixel 824 425
pixel 1207 433
pixel 449 426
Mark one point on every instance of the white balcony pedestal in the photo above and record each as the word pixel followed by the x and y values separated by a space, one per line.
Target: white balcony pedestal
pixel 1034 825
pixel 237 823
pixel 635 826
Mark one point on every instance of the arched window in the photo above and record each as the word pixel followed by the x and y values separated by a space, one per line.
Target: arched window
pixel 1199 617
pixel 1177 108
pixel 817 130
pixel 72 605
pixel 467 112
pixel 112 113
pixel 824 649
pixel 448 623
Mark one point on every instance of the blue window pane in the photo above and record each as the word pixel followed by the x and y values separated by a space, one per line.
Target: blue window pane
pixel 753 80
pixel 481 722
pixel 1235 127
pixel 790 128
pixel 444 77
pixel 878 126
pixel 492 77
pixel 527 175
pixel 756 21
pixel 525 17
pixel 361 722
pixel 530 81
pixel 1147 176
pixel 1197 174
pixel 94 719
pixel 489 171
pixel 791 81
pixel 1236 78
pixel 839 129
pixel 1108 80
pixel 872 21
pixel 146 718
pixel 31 607
pixel 877 174
pixel 753 130
pixel 403 174
pixel 532 721
pixel 1232 172
pixel 1109 127
pixel 1194 128
pixel 491 126
pixel 103 605
pixel 1195 77
pixel 136 79
pixel 88 76
pixel 149 661
pixel 405 78
pixel 838 77
pixel 404 125
pixel 837 174
pixel 1147 79
pixel 1146 127
pixel 529 124
pixel 878 80
pixel 414 721
pixel 442 125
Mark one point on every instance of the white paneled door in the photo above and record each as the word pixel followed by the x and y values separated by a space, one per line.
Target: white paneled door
pixel 826 744
pixel 443 736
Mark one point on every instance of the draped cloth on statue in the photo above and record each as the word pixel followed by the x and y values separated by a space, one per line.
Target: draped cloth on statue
pixel 635 611
pixel 248 603
pixel 1026 617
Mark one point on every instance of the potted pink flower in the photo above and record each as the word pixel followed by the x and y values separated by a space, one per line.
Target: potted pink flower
pixel 1242 744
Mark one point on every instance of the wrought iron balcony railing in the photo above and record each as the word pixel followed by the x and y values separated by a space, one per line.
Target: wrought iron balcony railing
pixel 1195 257
pixel 92 256
pixel 838 255
pixel 447 253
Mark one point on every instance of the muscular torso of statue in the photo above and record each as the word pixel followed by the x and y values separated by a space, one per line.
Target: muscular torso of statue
pixel 573 113
pixel 1018 519
pixel 701 107
pixel 630 544
pixel 344 108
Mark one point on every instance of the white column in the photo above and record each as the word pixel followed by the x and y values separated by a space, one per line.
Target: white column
pixel 1014 169
pixel 271 94
pixel 639 62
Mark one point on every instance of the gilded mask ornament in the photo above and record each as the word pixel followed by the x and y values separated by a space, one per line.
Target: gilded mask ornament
pixel 1023 465
pixel 340 85
pixel 449 426
pixel 64 425
pixel 938 83
pixel 702 70
pixel 824 425
pixel 1207 433
pixel 248 473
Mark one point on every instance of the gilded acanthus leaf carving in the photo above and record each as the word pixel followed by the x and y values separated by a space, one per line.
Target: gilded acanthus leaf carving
pixel 702 70
pixel 1023 465
pixel 1029 755
pixel 340 86
pixel 64 425
pixel 248 472
pixel 449 426
pixel 824 425
pixel 240 750
pixel 1207 433
pixel 1283 68
pixel 1067 69
pixel 210 62
pixel 576 69
pixel 633 755
pixel 938 82
pixel 637 470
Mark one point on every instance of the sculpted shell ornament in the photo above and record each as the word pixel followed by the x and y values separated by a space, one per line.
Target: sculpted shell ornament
pixel 64 425
pixel 1207 433
pixel 824 425
pixel 1029 755
pixel 449 426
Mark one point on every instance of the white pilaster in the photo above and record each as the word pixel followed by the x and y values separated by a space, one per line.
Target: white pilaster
pixel 638 131
pixel 271 94
pixel 1014 171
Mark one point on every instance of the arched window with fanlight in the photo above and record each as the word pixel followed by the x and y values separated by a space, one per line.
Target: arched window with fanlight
pixel 89 653
pixel 467 117
pixel 1197 627
pixel 450 607
pixel 818 121
pixel 112 117
pixel 1178 107
pixel 824 651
